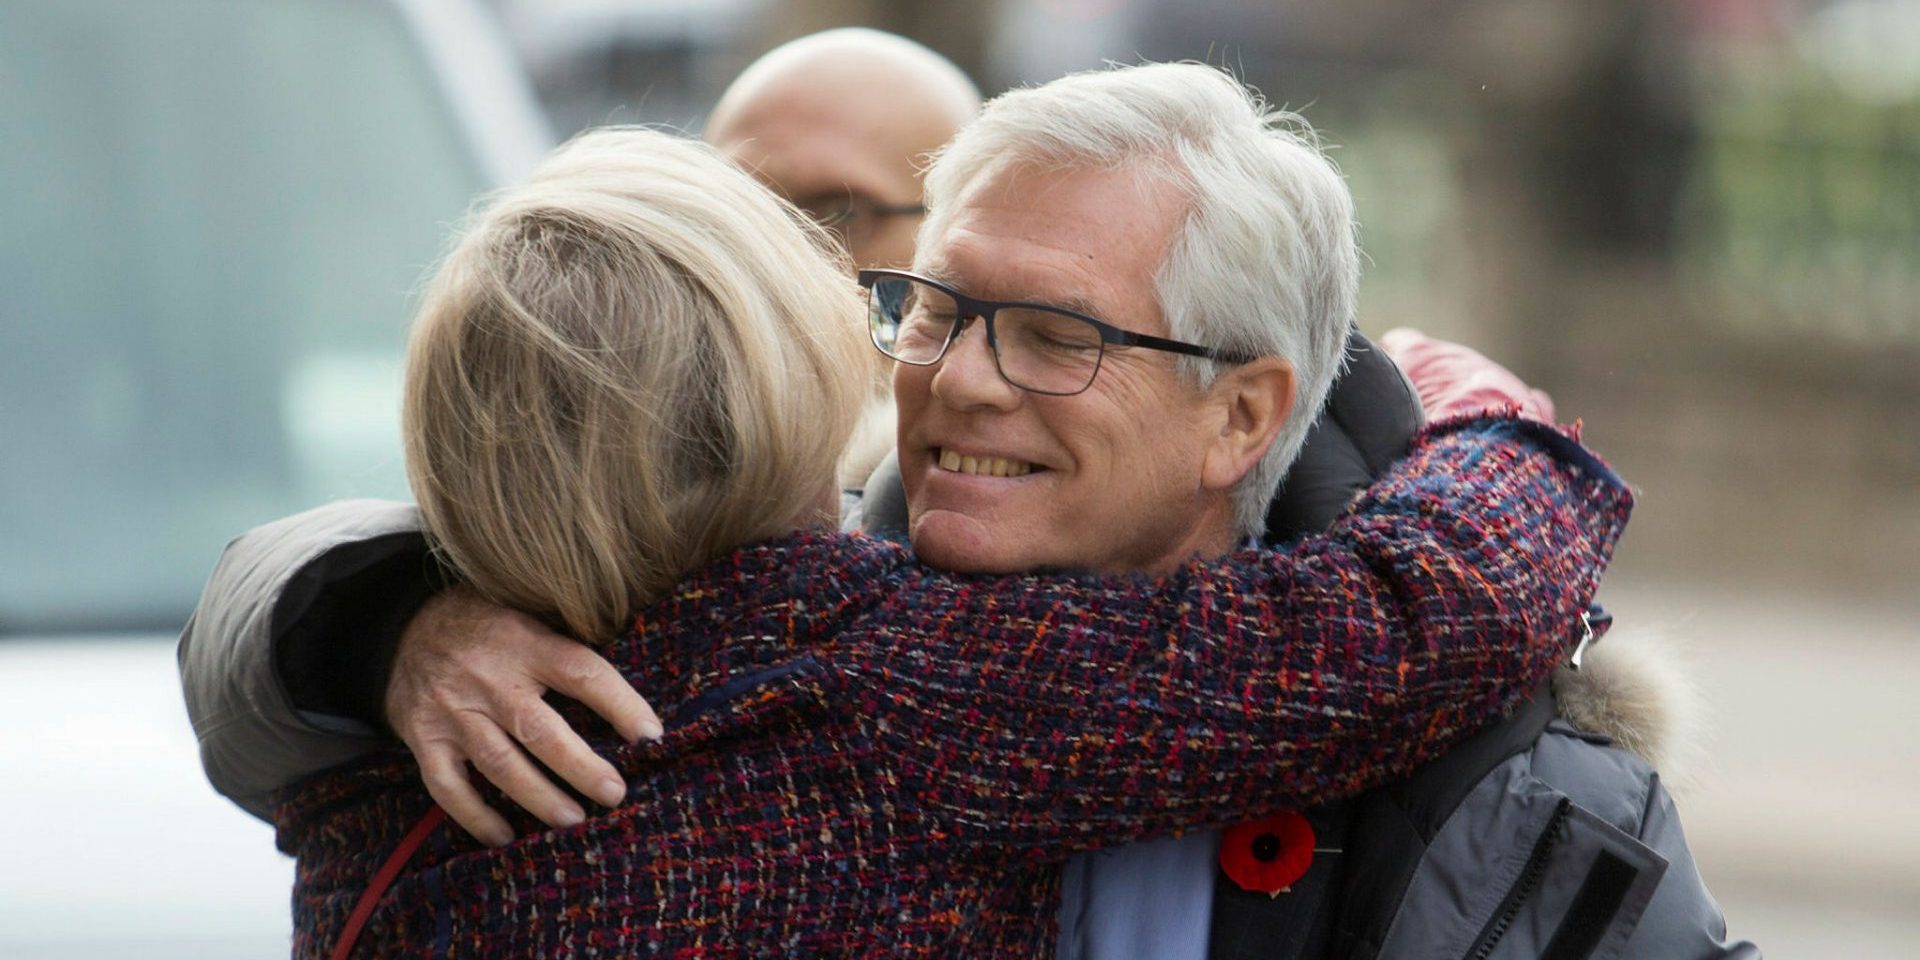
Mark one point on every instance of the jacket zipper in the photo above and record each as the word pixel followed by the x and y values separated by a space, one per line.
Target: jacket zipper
pixel 1522 888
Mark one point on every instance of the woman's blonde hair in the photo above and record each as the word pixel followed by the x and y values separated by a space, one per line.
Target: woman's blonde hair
pixel 635 362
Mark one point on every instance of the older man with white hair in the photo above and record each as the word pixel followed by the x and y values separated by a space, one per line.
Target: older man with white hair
pixel 1129 299
pixel 1159 202
pixel 1151 202
pixel 1129 302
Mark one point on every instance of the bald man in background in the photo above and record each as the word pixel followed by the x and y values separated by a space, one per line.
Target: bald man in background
pixel 840 123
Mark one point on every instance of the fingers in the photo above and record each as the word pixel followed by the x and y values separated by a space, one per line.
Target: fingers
pixel 580 673
pixel 500 760
pixel 467 686
pixel 545 734
pixel 495 755
pixel 445 774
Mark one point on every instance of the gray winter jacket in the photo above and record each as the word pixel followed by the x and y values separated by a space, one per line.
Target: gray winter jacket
pixel 1569 847
pixel 1590 862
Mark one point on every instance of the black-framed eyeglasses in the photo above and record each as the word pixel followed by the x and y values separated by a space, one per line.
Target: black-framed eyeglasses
pixel 1036 346
pixel 854 216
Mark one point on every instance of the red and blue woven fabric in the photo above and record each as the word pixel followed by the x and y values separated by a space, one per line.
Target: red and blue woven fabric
pixel 866 757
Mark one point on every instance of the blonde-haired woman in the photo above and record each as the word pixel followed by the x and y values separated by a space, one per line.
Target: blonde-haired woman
pixel 626 392
pixel 636 362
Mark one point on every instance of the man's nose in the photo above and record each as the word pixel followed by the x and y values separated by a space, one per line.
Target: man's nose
pixel 967 376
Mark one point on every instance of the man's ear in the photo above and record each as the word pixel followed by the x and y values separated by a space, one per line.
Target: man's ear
pixel 1254 400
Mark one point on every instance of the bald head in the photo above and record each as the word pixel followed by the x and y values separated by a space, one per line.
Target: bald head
pixel 846 115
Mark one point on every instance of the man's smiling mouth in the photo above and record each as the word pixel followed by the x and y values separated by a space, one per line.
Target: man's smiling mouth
pixel 953 462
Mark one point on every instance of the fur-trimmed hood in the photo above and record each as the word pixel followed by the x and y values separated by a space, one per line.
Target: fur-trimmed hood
pixel 1634 687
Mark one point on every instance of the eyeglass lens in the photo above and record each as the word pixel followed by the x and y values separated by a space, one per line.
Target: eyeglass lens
pixel 1036 349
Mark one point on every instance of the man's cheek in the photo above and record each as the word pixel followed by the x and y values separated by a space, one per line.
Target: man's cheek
pixel 908 390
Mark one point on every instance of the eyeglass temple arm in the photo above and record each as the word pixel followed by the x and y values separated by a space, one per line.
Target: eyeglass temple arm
pixel 1128 338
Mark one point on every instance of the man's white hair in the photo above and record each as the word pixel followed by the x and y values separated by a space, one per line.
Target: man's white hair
pixel 1266 263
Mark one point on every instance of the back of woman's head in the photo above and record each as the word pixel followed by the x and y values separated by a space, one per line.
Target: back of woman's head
pixel 637 361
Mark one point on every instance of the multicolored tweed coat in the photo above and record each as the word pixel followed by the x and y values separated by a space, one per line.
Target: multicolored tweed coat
pixel 867 757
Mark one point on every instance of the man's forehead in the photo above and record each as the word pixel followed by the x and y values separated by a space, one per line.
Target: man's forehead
pixel 809 167
pixel 1087 240
pixel 805 148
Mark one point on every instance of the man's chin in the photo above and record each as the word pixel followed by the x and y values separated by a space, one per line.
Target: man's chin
pixel 956 541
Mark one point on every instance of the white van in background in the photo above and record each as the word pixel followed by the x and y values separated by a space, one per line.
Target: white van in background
pixel 213 218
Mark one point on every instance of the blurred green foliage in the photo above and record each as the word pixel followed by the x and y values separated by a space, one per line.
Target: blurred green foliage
pixel 1804 210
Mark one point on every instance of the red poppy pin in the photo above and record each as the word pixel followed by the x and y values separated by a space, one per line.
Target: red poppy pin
pixel 1268 855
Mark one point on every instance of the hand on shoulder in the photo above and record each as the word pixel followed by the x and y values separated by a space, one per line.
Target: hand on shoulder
pixel 467 688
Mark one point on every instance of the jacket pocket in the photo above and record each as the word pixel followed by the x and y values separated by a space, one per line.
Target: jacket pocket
pixel 1579 897
pixel 1522 871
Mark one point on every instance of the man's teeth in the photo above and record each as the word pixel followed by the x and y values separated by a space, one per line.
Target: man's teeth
pixel 983 466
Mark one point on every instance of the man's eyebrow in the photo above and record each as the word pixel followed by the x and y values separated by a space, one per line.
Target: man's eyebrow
pixel 1076 304
pixel 938 272
pixel 935 270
